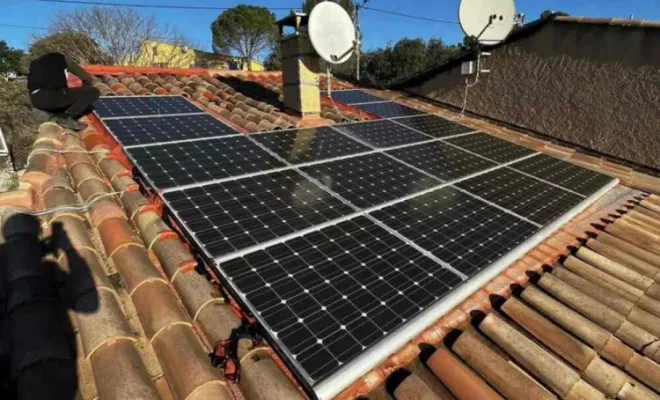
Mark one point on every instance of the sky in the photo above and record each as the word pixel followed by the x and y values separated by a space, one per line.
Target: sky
pixel 378 29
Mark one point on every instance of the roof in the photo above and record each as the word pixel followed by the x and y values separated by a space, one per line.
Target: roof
pixel 144 313
pixel 523 32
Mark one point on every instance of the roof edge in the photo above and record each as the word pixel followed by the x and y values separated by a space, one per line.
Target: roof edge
pixel 521 33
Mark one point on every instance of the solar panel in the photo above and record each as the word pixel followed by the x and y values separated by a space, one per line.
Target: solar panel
pixel 329 295
pixel 113 107
pixel 564 174
pixel 137 131
pixel 434 126
pixel 370 180
pixel 526 196
pixel 308 145
pixel 382 133
pixel 442 160
pixel 183 163
pixel 491 147
pixel 353 96
pixel 388 109
pixel 231 216
pixel 460 230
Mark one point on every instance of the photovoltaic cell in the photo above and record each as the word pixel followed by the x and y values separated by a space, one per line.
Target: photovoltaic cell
pixel 459 229
pixel 382 133
pixel 491 147
pixel 564 174
pixel 137 131
pixel 369 180
pixel 353 96
pixel 526 196
pixel 331 294
pixel 388 109
pixel 441 160
pixel 183 163
pixel 112 107
pixel 233 215
pixel 434 126
pixel 307 145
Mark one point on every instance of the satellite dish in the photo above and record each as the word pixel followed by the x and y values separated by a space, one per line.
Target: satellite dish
pixel 331 32
pixel 489 21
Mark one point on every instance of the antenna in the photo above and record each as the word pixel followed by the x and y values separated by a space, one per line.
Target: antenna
pixel 333 36
pixel 331 32
pixel 358 28
pixel 488 22
pixel 485 22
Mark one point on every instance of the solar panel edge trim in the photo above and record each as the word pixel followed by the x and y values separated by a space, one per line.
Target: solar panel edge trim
pixel 332 385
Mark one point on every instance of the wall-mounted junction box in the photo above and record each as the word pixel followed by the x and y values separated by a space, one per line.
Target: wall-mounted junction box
pixel 468 68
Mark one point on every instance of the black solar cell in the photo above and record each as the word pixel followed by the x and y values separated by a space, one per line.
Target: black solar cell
pixel 388 109
pixel 442 160
pixel 331 294
pixel 353 96
pixel 382 133
pixel 112 107
pixel 137 131
pixel 231 216
pixel 434 126
pixel 462 231
pixel 179 164
pixel 308 145
pixel 370 180
pixel 564 174
pixel 489 146
pixel 526 196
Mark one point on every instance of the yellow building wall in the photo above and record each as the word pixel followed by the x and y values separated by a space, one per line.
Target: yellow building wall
pixel 158 54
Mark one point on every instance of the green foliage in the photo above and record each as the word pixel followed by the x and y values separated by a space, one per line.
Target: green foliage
pixel 10 58
pixel 348 5
pixel 19 123
pixel 405 59
pixel 244 31
pixel 77 46
pixel 274 60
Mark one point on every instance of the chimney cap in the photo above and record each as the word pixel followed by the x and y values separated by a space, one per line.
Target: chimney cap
pixel 296 20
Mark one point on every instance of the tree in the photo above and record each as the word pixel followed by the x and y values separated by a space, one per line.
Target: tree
pixel 405 59
pixel 274 60
pixel 10 59
pixel 348 5
pixel 77 46
pixel 120 33
pixel 244 31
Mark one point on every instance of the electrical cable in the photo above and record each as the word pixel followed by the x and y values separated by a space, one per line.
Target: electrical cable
pixel 440 21
pixel 141 5
pixel 468 86
pixel 78 207
pixel 329 84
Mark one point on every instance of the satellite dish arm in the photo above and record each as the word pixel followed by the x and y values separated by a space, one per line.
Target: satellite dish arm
pixel 347 52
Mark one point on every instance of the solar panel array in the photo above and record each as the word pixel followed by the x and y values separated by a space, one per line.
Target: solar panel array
pixel 139 131
pixel 353 96
pixel 334 238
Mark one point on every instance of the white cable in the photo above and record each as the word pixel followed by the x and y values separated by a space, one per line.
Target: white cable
pixel 73 151
pixel 78 207
pixel 329 76
pixel 469 85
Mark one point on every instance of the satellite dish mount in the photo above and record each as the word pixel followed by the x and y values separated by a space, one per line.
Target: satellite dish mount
pixel 332 34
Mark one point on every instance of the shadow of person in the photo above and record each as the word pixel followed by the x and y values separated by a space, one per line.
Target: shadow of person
pixel 38 341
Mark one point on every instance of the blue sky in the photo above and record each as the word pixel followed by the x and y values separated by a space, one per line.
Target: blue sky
pixel 379 29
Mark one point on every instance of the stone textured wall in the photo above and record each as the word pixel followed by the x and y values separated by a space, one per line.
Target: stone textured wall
pixel 594 85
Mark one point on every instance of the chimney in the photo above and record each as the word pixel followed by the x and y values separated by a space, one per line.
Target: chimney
pixel 300 66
